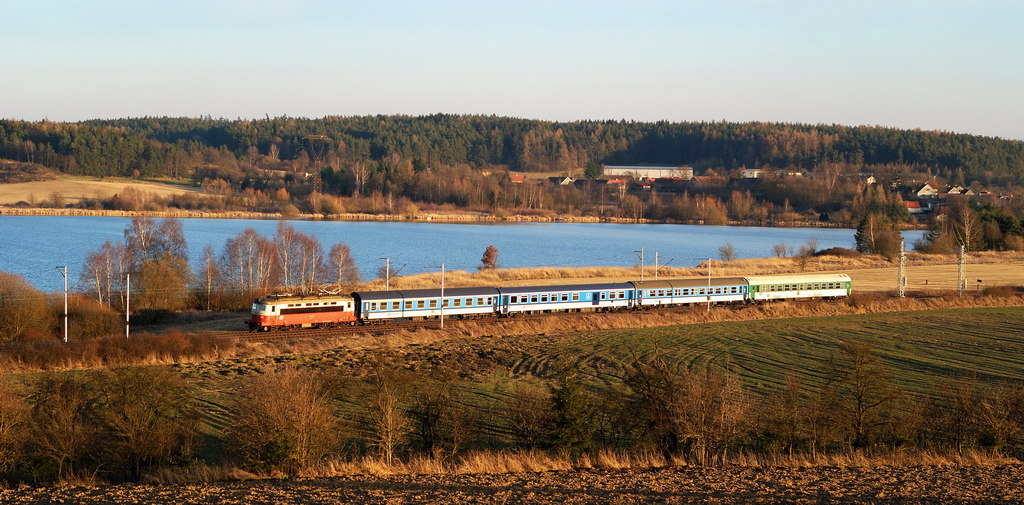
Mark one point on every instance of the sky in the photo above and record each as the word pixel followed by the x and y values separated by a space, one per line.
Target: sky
pixel 936 65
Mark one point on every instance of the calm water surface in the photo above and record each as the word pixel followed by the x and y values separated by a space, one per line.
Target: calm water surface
pixel 31 246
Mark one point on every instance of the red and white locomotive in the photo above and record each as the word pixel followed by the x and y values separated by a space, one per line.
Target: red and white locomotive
pixel 281 311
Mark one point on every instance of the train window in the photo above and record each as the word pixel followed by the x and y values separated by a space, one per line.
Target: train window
pixel 661 292
pixel 458 302
pixel 575 297
pixel 544 298
pixel 565 297
pixel 718 291
pixel 433 304
pixel 515 299
pixel 444 303
pixel 373 306
pixel 604 295
pixel 480 301
pixel 396 305
pixel 490 300
pixel 533 298
pixel 702 291
pixel 408 305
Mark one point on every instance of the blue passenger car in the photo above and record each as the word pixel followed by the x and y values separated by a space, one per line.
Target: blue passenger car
pixel 689 291
pixel 565 298
pixel 425 303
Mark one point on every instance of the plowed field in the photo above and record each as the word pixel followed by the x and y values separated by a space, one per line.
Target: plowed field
pixel 881 485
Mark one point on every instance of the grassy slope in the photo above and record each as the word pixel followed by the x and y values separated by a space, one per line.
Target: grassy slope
pixel 921 347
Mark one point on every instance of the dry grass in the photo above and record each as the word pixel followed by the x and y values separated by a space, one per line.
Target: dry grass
pixel 199 473
pixel 504 462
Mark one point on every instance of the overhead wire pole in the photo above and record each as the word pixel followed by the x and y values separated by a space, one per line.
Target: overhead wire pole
pixel 709 285
pixel 640 254
pixel 902 281
pixel 387 273
pixel 709 282
pixel 962 272
pixel 64 273
pixel 127 303
pixel 442 296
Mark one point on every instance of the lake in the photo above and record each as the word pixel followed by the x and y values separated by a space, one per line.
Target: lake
pixel 32 246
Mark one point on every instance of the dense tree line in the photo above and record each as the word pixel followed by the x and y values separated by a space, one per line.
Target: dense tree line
pixel 122 422
pixel 170 146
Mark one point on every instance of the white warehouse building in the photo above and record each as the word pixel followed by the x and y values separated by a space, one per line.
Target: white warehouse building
pixel 644 172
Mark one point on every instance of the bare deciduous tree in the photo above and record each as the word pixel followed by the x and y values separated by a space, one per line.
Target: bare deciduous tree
pixel 341 268
pixel 388 421
pixel 489 261
pixel 22 307
pixel 284 419
pixel 147 417
pixel 864 391
pixel 14 423
pixel 727 252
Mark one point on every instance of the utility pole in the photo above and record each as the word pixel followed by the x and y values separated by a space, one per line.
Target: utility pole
pixel 640 254
pixel 902 281
pixel 709 285
pixel 442 296
pixel 655 265
pixel 962 271
pixel 64 272
pixel 387 273
pixel 127 303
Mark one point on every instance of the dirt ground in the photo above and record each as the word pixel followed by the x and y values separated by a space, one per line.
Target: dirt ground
pixel 74 190
pixel 877 485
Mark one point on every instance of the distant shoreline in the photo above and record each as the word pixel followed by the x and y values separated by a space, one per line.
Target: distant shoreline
pixel 426 217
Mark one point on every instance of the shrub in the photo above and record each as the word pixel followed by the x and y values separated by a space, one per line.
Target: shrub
pixel 283 420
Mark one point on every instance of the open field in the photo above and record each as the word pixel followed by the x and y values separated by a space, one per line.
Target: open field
pixel 924 348
pixel 74 190
pixel 764 485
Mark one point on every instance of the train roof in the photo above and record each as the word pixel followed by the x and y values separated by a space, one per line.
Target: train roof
pixel 403 294
pixel 287 297
pixel 515 290
pixel 689 283
pixel 796 278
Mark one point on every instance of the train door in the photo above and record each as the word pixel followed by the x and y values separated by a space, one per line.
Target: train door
pixel 503 304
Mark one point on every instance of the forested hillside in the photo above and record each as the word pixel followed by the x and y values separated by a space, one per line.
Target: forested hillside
pixel 399 165
pixel 166 146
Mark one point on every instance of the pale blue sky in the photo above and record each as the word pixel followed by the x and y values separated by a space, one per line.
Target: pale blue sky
pixel 944 65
